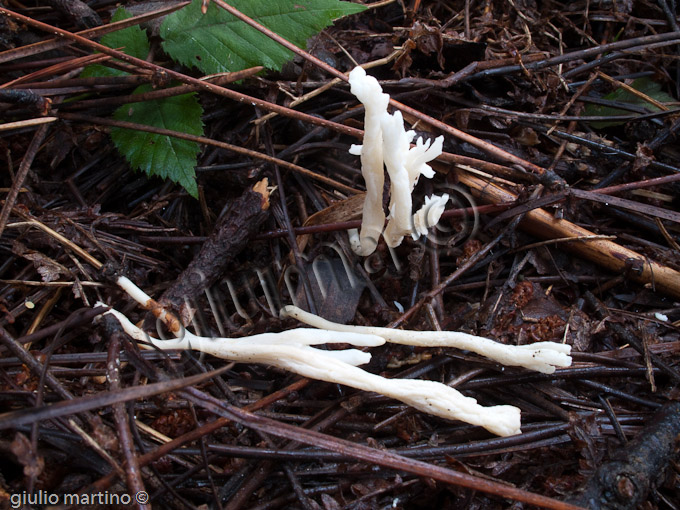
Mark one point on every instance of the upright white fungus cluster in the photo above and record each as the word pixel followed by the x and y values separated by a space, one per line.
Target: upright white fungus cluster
pixel 388 145
pixel 375 102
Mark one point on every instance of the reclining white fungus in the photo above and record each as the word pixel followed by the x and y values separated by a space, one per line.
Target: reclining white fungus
pixel 290 350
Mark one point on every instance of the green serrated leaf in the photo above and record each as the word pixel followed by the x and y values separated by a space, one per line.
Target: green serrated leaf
pixel 218 42
pixel 644 85
pixel 132 40
pixel 165 156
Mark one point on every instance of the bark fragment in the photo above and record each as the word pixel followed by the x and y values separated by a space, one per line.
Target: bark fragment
pixel 231 234
pixel 78 12
pixel 624 482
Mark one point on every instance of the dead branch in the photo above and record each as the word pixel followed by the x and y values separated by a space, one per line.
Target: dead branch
pixel 606 253
pixel 624 482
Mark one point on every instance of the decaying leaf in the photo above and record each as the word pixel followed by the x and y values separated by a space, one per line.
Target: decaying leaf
pixel 50 270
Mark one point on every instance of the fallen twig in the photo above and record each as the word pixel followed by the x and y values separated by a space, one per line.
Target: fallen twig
pixel 629 338
pixel 624 482
pixel 233 231
pixel 541 223
pixel 135 483
pixel 31 152
pixel 372 455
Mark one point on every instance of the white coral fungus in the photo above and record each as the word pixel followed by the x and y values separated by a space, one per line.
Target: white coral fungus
pixel 387 143
pixel 292 350
pixel 540 356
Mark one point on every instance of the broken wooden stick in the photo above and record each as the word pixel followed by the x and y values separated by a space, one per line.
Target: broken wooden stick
pixel 624 482
pixel 608 254
pixel 235 228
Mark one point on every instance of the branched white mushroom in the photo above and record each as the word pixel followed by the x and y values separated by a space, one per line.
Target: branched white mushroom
pixel 429 214
pixel 396 143
pixel 387 142
pixel 405 165
pixel 290 350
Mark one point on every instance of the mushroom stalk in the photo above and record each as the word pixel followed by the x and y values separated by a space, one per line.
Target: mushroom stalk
pixel 396 144
pixel 368 91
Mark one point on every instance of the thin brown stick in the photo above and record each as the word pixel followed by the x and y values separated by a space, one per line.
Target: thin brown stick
pixel 667 236
pixel 26 123
pixel 56 42
pixel 372 455
pixel 560 241
pixel 91 81
pixel 204 430
pixel 666 38
pixel 633 91
pixel 161 93
pixel 646 183
pixel 71 405
pixel 63 240
pixel 33 364
pixel 616 258
pixel 25 165
pixel 61 67
pixel 135 483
